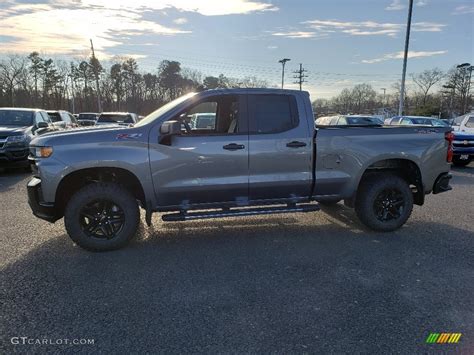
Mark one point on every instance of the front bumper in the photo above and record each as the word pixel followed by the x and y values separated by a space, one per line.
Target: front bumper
pixel 40 209
pixel 14 156
pixel 442 183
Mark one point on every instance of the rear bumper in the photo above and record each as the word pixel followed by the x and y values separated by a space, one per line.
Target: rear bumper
pixel 442 183
pixel 40 209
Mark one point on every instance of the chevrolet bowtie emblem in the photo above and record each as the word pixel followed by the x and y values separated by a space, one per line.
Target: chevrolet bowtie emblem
pixel 466 142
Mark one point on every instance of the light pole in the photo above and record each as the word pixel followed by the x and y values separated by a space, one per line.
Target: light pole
pixel 383 100
pixel 452 87
pixel 469 67
pixel 283 62
pixel 405 58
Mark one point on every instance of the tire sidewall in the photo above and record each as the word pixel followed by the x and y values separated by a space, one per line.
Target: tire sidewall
pixel 88 194
pixel 373 187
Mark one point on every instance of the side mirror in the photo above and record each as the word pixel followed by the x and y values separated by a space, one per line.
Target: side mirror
pixel 169 129
pixel 41 124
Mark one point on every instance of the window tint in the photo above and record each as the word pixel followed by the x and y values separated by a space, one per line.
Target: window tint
pixel 406 121
pixel 55 116
pixel 272 113
pixel 221 115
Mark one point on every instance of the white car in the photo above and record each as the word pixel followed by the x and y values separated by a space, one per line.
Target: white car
pixel 464 123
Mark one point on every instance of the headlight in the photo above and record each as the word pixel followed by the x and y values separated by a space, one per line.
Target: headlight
pixel 43 152
pixel 17 139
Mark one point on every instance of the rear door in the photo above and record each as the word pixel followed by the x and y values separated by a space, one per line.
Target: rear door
pixel 280 147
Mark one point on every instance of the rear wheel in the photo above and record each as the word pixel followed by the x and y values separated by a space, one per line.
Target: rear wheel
pixel 384 202
pixel 101 217
pixel 461 162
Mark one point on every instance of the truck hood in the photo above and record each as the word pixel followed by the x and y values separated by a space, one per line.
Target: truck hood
pixel 12 130
pixel 463 135
pixel 82 135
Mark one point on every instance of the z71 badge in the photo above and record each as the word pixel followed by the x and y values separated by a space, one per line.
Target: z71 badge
pixel 129 135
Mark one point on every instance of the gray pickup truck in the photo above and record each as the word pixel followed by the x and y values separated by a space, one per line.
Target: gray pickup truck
pixel 262 154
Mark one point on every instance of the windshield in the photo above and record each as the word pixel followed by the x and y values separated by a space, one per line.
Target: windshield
pixel 114 118
pixel 16 118
pixel 363 121
pixel 87 116
pixel 470 122
pixel 55 116
pixel 169 106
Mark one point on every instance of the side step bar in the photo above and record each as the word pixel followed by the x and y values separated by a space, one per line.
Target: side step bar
pixel 238 212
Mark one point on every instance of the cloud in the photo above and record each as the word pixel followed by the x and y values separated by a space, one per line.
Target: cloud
pixel 180 21
pixel 295 34
pixel 421 3
pixel 65 26
pixel 463 10
pixel 272 47
pixel 369 28
pixel 203 7
pixel 395 5
pixel 399 55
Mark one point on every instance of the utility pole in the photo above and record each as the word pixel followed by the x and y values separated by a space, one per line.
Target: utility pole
pixel 383 100
pixel 96 73
pixel 300 76
pixel 283 62
pixel 405 58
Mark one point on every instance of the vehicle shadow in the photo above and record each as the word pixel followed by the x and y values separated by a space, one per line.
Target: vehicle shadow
pixel 465 169
pixel 260 284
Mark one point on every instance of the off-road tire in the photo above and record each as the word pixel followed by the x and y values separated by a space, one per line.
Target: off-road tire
pixel 370 190
pixel 118 196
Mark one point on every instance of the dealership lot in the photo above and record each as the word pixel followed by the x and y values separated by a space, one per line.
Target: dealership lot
pixel 315 282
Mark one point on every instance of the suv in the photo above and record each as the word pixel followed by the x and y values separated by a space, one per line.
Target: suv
pixel 17 127
pixel 117 118
pixel 63 119
pixel 463 143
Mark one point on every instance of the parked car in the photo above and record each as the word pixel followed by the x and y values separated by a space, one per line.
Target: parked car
pixel 273 160
pixel 117 118
pixel 63 119
pixel 17 127
pixel 203 120
pixel 464 123
pixel 415 121
pixel 87 118
pixel 349 120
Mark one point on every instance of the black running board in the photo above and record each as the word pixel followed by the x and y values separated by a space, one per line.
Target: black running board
pixel 188 216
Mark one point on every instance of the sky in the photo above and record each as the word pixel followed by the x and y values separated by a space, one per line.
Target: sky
pixel 340 43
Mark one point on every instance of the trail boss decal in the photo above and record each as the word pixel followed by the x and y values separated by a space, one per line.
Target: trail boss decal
pixel 129 135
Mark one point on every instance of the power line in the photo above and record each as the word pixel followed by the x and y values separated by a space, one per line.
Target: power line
pixel 300 75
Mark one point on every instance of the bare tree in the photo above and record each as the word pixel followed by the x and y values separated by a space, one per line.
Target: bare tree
pixel 11 71
pixel 426 79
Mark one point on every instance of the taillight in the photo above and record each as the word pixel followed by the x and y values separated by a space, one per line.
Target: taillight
pixel 449 136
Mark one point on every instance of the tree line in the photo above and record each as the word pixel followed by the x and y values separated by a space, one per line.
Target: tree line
pixel 36 81
pixel 433 92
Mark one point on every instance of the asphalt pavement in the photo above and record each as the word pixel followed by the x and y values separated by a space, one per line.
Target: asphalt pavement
pixel 297 283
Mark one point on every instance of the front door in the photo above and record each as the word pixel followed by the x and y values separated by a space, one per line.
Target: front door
pixel 208 162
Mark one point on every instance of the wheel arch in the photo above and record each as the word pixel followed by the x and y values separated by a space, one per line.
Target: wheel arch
pixel 407 169
pixel 77 179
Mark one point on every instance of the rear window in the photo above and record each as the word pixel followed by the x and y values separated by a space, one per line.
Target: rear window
pixel 16 118
pixel 421 121
pixel 112 118
pixel 272 113
pixel 363 121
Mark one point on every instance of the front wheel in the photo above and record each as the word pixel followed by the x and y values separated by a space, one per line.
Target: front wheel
pixel 384 202
pixel 102 217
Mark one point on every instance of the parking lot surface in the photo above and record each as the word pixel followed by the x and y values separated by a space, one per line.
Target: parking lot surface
pixel 315 283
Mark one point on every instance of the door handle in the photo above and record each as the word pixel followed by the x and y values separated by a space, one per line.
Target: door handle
pixel 234 146
pixel 296 144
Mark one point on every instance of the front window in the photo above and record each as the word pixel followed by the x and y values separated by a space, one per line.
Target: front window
pixel 163 109
pixel 55 116
pixel 16 118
